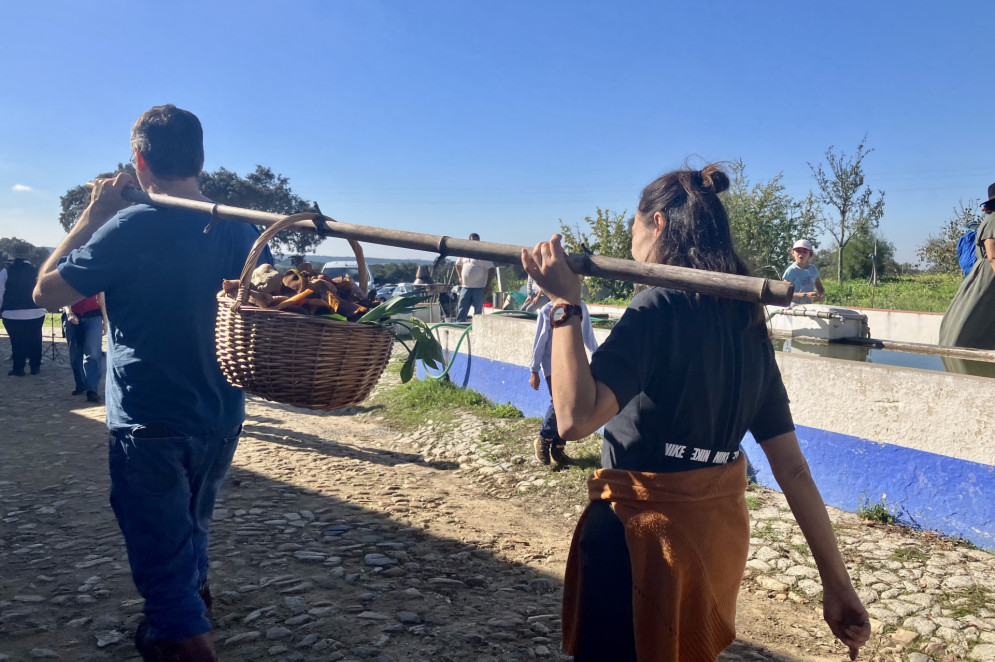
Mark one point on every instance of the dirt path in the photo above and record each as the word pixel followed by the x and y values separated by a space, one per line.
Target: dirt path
pixel 336 539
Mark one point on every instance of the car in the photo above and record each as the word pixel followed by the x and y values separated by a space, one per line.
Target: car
pixel 404 288
pixel 345 268
pixel 385 292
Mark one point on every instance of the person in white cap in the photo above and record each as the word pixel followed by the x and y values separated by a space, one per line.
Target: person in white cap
pixel 804 276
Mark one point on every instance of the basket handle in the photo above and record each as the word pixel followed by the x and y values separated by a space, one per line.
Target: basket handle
pixel 279 226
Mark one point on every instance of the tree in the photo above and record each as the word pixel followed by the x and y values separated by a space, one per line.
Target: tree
pixel 36 257
pixel 394 272
pixel 939 253
pixel 76 199
pixel 845 207
pixel 857 260
pixel 609 236
pixel 263 190
pixel 765 221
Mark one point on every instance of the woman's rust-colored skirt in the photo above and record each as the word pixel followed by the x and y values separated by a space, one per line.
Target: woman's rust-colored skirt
pixel 688 537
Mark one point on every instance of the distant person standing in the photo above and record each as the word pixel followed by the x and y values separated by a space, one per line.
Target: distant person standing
pixel 21 317
pixel 804 276
pixel 534 296
pixel 475 278
pixel 85 323
pixel 970 319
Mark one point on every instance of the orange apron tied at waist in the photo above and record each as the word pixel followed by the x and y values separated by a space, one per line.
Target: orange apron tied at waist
pixel 688 536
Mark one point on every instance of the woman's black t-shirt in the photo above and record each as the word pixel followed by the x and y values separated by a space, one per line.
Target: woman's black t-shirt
pixel 690 380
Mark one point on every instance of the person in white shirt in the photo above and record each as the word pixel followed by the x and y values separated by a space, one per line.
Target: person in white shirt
pixel 475 278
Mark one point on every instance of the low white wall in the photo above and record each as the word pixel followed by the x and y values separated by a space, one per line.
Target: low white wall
pixel 903 325
pixel 931 411
pixel 900 325
pixel 925 410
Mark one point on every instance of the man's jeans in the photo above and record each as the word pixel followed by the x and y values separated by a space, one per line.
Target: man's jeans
pixel 85 351
pixel 470 296
pixel 163 490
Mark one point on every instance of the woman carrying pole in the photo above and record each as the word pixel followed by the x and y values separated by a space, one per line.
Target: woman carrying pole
pixel 658 556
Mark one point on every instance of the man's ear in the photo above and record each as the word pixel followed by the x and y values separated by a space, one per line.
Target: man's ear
pixel 140 162
pixel 659 223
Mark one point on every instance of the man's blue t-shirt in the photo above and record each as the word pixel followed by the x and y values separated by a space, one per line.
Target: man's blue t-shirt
pixel 160 273
pixel 804 279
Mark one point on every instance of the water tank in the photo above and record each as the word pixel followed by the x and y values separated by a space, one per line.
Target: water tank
pixel 815 320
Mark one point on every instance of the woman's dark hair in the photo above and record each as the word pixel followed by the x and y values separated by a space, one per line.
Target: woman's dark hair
pixel 171 140
pixel 697 233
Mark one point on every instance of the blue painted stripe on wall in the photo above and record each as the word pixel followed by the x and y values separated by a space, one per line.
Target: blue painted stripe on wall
pixel 926 489
pixel 923 489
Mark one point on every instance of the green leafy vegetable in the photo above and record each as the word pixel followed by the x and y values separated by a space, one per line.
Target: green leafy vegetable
pixel 394 306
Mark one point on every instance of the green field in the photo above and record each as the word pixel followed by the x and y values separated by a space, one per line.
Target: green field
pixel 930 293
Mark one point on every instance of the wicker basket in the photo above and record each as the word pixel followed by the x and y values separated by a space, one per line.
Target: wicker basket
pixel 297 359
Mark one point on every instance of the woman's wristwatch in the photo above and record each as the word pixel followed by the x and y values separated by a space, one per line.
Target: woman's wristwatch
pixel 561 313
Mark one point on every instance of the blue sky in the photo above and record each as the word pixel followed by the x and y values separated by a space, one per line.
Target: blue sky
pixel 448 117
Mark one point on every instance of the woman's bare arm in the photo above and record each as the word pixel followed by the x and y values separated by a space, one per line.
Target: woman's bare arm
pixel 841 607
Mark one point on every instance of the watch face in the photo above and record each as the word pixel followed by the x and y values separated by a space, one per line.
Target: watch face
pixel 558 313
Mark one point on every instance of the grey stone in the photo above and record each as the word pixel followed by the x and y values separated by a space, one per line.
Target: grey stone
pixel 984 653
pixel 771 584
pixel 242 637
pixel 110 637
pixel 277 633
pixel 923 626
pixel 378 560
pixel 372 616
pixel 904 637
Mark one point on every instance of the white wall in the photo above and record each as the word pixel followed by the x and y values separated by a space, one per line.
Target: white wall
pixel 937 412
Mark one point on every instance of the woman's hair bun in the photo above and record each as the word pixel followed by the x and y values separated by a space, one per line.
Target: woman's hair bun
pixel 714 178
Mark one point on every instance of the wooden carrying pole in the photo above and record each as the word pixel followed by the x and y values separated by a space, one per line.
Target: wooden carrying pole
pixel 730 286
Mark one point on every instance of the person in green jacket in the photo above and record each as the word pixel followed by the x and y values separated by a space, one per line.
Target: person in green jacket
pixel 970 319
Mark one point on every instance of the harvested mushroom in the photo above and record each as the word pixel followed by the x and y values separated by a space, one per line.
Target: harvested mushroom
pixel 267 279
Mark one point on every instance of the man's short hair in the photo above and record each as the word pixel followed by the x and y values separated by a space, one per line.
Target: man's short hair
pixel 171 141
pixel 474 236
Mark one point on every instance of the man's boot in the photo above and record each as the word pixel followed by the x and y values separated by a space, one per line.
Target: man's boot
pixel 542 450
pixel 195 649
pixel 560 457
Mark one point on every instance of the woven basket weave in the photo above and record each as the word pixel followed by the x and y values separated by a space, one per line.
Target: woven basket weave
pixel 293 358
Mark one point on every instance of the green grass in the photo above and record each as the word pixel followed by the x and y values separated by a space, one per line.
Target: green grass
pixel 929 293
pixel 909 554
pixel 752 502
pixel 418 400
pixel 768 532
pixel 878 511
pixel 967 602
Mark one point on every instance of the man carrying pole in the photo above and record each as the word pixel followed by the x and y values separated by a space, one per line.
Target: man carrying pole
pixel 174 421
